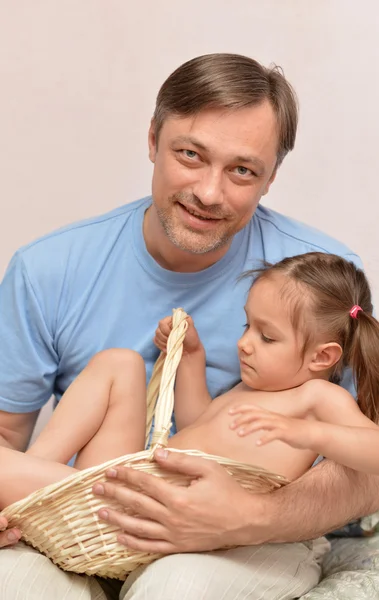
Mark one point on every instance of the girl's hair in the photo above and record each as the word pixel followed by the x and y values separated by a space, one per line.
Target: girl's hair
pixel 322 289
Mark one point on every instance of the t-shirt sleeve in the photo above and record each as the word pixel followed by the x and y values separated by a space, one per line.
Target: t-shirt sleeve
pixel 27 356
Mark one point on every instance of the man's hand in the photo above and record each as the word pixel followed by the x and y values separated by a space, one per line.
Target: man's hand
pixel 8 537
pixel 214 511
pixel 191 342
pixel 298 433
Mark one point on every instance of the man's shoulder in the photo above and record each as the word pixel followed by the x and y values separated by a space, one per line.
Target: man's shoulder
pixel 279 231
pixel 75 251
pixel 81 233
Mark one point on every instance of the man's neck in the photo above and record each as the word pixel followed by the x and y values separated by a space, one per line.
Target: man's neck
pixel 168 256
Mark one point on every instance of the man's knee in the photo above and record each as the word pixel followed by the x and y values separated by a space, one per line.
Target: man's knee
pixel 268 571
pixel 27 574
pixel 170 578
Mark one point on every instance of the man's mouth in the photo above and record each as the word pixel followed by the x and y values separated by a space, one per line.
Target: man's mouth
pixel 199 215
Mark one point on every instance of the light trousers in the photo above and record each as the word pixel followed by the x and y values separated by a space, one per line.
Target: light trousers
pixel 266 572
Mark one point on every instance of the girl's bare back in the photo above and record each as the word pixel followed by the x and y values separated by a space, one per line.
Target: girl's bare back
pixel 211 433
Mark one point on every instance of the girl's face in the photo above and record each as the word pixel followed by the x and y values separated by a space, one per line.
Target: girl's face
pixel 270 350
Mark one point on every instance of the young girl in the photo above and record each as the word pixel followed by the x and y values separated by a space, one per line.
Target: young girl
pixel 308 317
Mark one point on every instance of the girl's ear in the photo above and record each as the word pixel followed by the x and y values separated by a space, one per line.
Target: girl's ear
pixel 325 357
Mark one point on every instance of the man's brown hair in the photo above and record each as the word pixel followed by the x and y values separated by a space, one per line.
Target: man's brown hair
pixel 229 81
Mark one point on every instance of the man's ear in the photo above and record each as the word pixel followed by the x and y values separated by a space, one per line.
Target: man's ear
pixel 325 357
pixel 152 141
pixel 270 181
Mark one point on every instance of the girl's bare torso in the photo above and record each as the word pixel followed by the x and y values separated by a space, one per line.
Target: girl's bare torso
pixel 211 433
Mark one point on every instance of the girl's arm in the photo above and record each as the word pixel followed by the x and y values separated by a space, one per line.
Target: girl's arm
pixel 331 424
pixel 344 434
pixel 350 446
pixel 191 393
pixel 331 403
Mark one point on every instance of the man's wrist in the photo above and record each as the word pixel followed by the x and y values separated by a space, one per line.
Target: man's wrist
pixel 259 520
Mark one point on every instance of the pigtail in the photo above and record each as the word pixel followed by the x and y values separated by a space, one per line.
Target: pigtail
pixel 363 359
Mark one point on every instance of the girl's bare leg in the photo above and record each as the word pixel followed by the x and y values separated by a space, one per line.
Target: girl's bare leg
pixel 102 415
pixel 22 474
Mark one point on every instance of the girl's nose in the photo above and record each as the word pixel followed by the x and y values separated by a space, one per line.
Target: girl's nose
pixel 245 345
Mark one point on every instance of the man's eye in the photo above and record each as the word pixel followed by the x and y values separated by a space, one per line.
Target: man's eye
pixel 266 339
pixel 189 153
pixel 244 171
pixel 246 326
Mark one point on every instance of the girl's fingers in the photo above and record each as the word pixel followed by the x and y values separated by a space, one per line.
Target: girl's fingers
pixel 256 426
pixel 257 420
pixel 157 342
pixel 244 418
pixel 165 325
pixel 160 337
pixel 275 434
pixel 161 334
pixel 254 409
pixel 160 341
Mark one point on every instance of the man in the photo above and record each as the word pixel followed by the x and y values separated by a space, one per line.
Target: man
pixel 221 127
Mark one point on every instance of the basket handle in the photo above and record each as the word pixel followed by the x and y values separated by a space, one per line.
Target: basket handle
pixel 162 381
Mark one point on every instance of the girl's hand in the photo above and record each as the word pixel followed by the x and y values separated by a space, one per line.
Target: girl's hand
pixel 191 342
pixel 162 332
pixel 298 433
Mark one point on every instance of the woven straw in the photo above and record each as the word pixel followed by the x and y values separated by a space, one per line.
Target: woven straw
pixel 61 519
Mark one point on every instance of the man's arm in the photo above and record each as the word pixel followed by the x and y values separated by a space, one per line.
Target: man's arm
pixel 28 355
pixel 16 429
pixel 28 360
pixel 199 517
pixel 15 432
pixel 327 497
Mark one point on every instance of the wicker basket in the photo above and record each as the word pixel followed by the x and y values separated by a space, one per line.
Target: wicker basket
pixel 61 519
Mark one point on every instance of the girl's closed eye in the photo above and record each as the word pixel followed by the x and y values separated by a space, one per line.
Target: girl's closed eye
pixel 266 339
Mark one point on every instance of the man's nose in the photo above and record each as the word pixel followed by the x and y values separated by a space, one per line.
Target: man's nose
pixel 209 188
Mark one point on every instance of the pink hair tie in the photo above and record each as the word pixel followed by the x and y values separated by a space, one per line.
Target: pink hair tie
pixel 354 311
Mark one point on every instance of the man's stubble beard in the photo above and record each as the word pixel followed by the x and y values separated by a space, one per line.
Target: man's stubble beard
pixel 194 245
pixel 177 236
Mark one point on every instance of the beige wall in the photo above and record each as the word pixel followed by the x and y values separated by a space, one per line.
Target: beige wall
pixel 78 79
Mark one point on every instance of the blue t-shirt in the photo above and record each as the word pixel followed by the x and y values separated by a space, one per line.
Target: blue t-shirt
pixel 93 285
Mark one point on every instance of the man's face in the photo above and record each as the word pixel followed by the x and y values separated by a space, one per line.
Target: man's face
pixel 210 171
